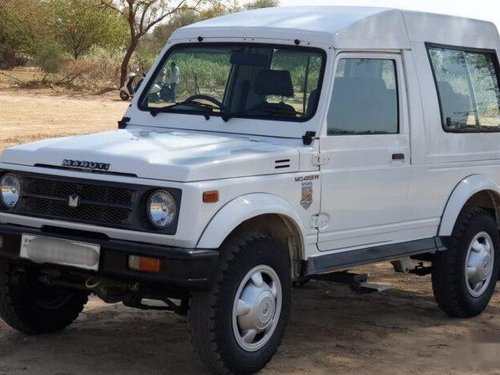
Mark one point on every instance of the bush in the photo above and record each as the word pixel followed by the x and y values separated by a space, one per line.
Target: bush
pixel 101 69
pixel 98 70
pixel 50 58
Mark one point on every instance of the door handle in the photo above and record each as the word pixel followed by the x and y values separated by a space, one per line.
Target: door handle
pixel 398 156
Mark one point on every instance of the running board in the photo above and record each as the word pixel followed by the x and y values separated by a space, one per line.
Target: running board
pixel 357 281
pixel 342 260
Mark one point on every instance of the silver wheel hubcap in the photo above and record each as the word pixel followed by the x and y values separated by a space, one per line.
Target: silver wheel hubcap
pixel 257 308
pixel 479 264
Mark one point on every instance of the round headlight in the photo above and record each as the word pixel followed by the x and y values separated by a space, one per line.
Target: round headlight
pixel 161 209
pixel 10 187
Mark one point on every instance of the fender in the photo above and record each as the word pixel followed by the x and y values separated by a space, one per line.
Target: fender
pixel 240 209
pixel 461 194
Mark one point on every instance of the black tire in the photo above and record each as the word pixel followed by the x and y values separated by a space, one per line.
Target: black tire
pixel 124 96
pixel 34 308
pixel 301 282
pixel 448 269
pixel 211 313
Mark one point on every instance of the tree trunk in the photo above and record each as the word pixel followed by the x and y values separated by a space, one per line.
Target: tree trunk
pixel 126 60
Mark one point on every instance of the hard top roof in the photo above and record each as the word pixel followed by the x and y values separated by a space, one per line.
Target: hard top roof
pixel 347 27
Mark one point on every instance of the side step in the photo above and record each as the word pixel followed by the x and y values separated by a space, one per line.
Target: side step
pixel 357 281
pixel 365 288
pixel 135 300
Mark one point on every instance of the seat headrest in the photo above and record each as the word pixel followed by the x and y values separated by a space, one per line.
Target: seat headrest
pixel 274 82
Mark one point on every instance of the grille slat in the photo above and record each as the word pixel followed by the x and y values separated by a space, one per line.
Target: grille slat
pixel 63 189
pixel 99 203
pixel 65 200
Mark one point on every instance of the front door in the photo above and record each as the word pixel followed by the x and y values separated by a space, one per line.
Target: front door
pixel 365 181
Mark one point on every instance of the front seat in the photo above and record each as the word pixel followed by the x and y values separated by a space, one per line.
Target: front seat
pixel 274 82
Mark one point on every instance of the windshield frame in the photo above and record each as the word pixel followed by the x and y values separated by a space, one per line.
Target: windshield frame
pixel 159 66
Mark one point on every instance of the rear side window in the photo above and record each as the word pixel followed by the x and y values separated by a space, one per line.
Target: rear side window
pixel 365 97
pixel 468 87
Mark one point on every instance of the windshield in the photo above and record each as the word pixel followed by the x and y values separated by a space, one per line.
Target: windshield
pixel 237 80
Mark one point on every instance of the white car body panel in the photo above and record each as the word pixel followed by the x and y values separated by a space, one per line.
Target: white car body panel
pixel 461 194
pixel 380 212
pixel 237 158
pixel 243 208
pixel 194 215
pixel 162 154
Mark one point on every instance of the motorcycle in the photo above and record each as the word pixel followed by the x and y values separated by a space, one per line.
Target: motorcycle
pixel 131 85
pixel 159 90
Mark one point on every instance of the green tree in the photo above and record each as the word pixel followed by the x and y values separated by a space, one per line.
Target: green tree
pixel 142 16
pixel 23 25
pixel 152 43
pixel 186 17
pixel 80 25
pixel 5 33
pixel 182 18
pixel 257 4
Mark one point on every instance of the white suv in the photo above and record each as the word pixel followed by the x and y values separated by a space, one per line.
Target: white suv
pixel 265 148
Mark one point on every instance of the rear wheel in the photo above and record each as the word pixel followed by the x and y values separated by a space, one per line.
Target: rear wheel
pixel 32 307
pixel 464 276
pixel 238 325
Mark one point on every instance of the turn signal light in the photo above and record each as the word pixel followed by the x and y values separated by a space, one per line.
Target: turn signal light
pixel 211 196
pixel 144 264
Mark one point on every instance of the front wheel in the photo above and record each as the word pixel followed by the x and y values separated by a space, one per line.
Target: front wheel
pixel 32 307
pixel 464 276
pixel 238 325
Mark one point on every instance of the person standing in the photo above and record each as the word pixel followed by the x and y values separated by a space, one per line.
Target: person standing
pixel 173 79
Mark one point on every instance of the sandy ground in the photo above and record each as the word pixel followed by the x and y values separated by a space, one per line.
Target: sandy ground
pixel 332 330
pixel 26 116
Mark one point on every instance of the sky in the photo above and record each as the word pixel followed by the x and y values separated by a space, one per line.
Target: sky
pixel 480 9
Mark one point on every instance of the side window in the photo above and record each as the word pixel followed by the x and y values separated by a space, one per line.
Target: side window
pixel 468 88
pixel 365 97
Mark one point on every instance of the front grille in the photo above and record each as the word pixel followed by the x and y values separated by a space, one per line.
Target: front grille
pixel 64 189
pixel 100 203
pixel 109 205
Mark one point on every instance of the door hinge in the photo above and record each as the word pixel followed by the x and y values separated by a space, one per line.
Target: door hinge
pixel 320 159
pixel 319 221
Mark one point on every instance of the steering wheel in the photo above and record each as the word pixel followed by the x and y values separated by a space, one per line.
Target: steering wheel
pixel 207 98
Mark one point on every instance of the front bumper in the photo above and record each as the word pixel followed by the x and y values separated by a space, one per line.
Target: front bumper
pixel 185 269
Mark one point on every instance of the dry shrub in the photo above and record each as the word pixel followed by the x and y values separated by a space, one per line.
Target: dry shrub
pixel 88 74
pixel 97 70
pixel 106 71
pixel 72 71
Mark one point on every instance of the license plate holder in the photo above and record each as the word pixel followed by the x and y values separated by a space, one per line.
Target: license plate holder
pixel 42 249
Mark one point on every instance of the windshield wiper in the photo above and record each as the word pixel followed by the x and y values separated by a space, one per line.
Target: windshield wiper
pixel 226 116
pixel 203 106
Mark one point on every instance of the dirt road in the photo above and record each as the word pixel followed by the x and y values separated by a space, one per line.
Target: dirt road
pixel 332 330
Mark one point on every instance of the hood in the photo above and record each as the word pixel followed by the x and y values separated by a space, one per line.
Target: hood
pixel 171 155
